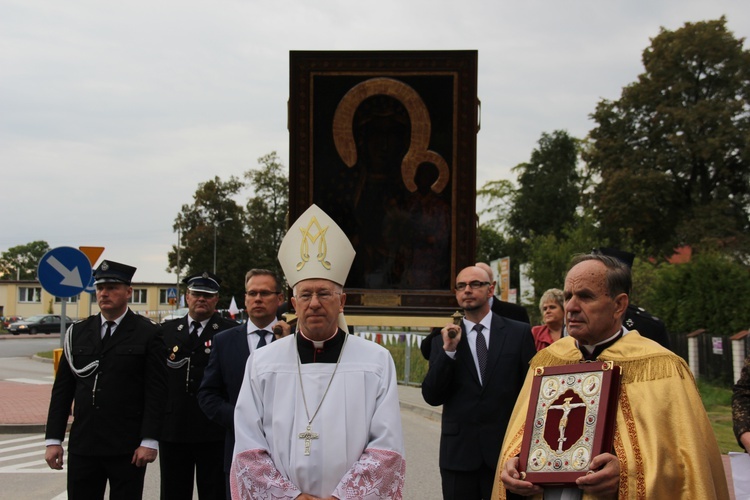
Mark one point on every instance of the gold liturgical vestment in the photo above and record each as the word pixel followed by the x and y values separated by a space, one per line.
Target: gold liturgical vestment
pixel 663 437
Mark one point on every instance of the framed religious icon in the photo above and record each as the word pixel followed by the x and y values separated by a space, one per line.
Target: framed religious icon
pixel 385 143
pixel 571 419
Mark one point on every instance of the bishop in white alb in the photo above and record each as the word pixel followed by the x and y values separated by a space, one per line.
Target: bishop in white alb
pixel 355 442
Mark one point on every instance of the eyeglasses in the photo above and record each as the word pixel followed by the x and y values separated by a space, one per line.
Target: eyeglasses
pixel 323 296
pixel 264 294
pixel 472 284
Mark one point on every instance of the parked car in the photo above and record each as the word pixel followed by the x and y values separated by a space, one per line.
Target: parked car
pixel 11 319
pixel 178 313
pixel 42 323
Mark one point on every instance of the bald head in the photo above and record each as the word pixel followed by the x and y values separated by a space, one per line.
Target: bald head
pixel 487 269
pixel 473 291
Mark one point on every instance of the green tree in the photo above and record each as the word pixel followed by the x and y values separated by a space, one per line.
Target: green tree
pixel 197 224
pixel 550 255
pixel 498 196
pixel 493 236
pixel 250 239
pixel 672 152
pixel 544 205
pixel 708 292
pixel 267 210
pixel 20 262
pixel 490 244
pixel 549 188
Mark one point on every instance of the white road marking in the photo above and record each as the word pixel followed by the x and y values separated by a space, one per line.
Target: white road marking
pixel 29 381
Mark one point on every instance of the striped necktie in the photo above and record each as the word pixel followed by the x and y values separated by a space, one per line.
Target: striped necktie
pixel 481 347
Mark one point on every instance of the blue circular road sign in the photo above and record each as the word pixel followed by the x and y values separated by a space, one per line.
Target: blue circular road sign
pixel 64 271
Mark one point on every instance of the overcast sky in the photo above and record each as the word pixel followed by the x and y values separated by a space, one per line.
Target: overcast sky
pixel 111 113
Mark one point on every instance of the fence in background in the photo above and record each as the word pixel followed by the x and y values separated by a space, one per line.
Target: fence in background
pixel 403 344
pixel 718 358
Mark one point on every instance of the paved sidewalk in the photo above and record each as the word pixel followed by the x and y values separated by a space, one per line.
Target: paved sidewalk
pixel 411 399
pixel 23 407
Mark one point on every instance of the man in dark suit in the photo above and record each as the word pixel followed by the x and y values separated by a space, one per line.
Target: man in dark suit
pixel 191 445
pixel 222 380
pixel 476 372
pixel 505 309
pixel 113 369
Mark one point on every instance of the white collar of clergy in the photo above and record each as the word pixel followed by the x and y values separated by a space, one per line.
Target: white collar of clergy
pixel 592 348
pixel 319 343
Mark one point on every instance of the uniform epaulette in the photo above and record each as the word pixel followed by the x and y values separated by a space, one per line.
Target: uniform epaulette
pixel 645 314
pixel 147 319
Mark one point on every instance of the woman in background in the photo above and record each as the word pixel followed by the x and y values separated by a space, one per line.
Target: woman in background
pixel 553 316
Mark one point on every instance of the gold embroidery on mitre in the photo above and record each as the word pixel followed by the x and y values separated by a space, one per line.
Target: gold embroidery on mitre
pixel 304 250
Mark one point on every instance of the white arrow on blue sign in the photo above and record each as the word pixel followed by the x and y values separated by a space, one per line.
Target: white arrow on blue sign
pixel 64 271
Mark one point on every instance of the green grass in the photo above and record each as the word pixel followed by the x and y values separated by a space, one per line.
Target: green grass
pixel 45 354
pixel 718 403
pixel 417 366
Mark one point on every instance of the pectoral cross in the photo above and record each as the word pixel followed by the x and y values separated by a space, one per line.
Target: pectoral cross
pixel 308 436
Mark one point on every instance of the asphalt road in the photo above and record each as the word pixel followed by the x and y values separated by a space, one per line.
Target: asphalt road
pixel 12 346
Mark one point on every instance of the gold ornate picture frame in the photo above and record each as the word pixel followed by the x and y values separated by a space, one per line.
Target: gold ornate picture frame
pixel 570 420
pixel 385 143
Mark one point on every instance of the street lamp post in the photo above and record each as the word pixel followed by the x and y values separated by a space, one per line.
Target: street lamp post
pixel 179 243
pixel 216 227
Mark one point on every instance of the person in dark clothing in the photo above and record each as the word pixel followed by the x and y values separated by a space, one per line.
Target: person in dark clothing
pixel 499 307
pixel 114 376
pixel 637 318
pixel 192 447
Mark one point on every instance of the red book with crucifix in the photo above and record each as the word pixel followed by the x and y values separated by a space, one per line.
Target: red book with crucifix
pixel 571 419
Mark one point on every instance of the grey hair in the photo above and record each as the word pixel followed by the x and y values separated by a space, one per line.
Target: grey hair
pixel 336 288
pixel 619 277
pixel 552 295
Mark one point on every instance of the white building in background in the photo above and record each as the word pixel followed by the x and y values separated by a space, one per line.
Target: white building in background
pixel 27 297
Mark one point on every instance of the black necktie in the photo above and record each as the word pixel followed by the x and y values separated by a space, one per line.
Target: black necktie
pixel 262 335
pixel 108 333
pixel 194 339
pixel 481 345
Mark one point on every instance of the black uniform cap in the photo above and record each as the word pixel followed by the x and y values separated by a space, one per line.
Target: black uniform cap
pixel 113 272
pixel 626 258
pixel 204 282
